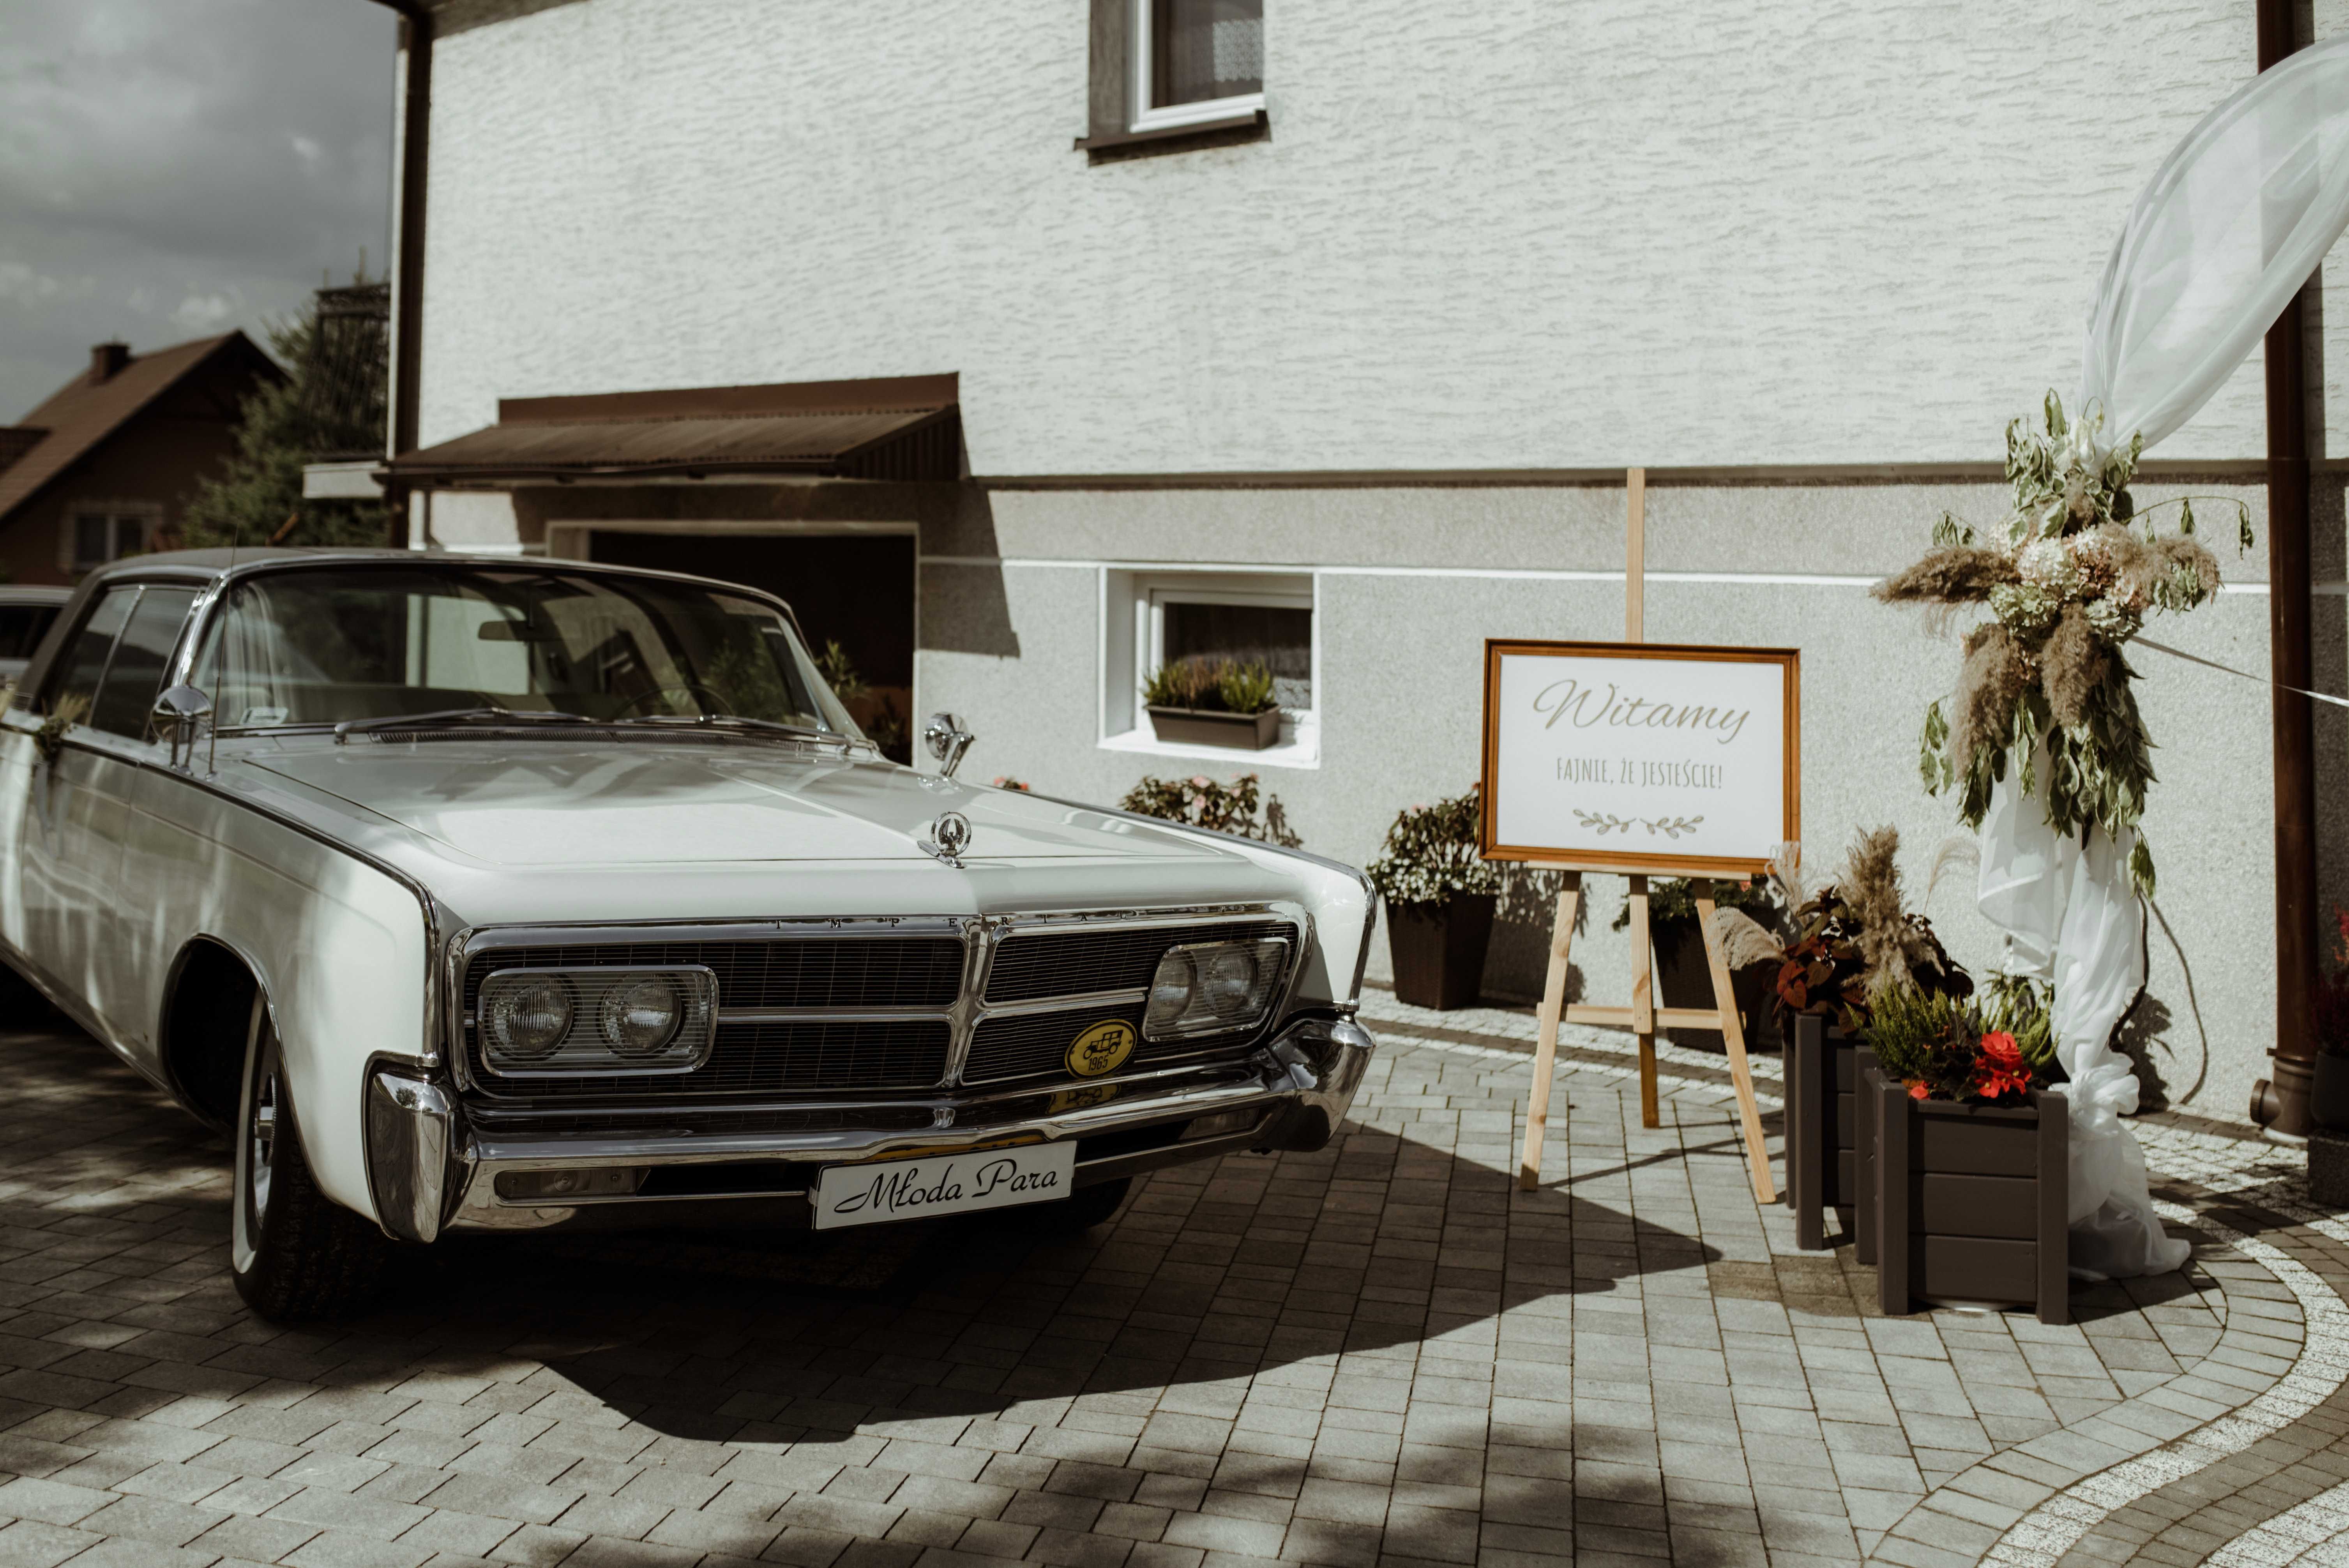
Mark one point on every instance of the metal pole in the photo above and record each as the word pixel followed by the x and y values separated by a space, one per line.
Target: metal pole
pixel 408 247
pixel 2284 1105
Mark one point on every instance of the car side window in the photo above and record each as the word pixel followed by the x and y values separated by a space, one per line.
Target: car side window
pixel 74 686
pixel 127 697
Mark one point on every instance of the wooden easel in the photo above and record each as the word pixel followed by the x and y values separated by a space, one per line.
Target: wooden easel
pixel 1642 1016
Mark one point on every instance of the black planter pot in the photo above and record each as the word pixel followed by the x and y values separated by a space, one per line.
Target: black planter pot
pixel 1971 1201
pixel 2329 1096
pixel 1825 1067
pixel 1439 949
pixel 1683 979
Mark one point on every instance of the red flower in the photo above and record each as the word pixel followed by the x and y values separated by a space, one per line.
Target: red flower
pixel 1919 1091
pixel 1999 1068
pixel 1999 1050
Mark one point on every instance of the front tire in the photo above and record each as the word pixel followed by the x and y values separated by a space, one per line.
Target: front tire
pixel 294 1252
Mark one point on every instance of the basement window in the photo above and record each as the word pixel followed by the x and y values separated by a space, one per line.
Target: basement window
pixel 1196 60
pixel 1151 618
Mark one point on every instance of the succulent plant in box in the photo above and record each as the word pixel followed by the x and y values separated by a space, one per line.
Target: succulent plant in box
pixel 1213 701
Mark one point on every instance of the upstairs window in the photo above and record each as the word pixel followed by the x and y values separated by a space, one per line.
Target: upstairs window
pixel 1196 60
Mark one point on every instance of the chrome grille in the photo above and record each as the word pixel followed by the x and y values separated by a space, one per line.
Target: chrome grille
pixel 811 1056
pixel 874 1011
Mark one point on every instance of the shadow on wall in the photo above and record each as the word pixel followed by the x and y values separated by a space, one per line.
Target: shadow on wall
pixel 1517 964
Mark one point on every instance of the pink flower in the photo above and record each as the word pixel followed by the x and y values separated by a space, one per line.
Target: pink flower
pixel 1203 783
pixel 1919 1091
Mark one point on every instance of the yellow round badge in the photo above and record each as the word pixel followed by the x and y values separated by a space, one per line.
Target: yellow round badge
pixel 1101 1048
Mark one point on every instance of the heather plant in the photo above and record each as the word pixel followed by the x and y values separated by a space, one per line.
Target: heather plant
pixel 1990 1051
pixel 1432 852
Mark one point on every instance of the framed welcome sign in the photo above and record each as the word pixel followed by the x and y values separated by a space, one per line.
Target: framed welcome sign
pixel 1642 757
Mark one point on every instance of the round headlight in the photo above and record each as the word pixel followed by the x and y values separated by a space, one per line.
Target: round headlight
pixel 1228 987
pixel 529 1020
pixel 1172 986
pixel 641 1017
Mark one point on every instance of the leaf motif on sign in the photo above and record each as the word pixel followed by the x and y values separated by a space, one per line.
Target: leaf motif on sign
pixel 1605 822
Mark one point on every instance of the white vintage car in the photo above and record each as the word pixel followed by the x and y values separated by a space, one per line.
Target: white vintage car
pixel 494 894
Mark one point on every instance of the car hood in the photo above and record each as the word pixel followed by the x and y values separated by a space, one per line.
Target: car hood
pixel 557 803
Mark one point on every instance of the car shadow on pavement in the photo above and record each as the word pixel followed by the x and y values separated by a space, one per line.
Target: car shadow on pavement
pixel 1254 1270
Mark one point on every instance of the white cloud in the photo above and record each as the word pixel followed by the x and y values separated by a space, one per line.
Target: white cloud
pixel 145 155
pixel 203 313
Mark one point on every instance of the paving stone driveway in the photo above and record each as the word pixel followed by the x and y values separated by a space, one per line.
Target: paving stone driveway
pixel 1378 1355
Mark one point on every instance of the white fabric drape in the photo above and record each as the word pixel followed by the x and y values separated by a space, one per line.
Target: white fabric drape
pixel 2230 227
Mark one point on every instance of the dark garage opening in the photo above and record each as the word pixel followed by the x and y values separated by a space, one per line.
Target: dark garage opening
pixel 856 589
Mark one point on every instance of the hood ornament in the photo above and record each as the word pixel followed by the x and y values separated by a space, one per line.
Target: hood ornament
pixel 949 835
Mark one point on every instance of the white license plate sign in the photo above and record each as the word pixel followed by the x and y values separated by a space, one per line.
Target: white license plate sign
pixel 943 1185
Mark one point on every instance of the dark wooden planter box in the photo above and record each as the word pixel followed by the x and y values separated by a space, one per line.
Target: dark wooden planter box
pixel 1972 1201
pixel 1439 949
pixel 1683 979
pixel 1823 1067
pixel 1205 727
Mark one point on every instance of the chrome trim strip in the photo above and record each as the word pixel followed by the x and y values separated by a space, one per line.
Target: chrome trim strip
pixel 832 1014
pixel 1073 1002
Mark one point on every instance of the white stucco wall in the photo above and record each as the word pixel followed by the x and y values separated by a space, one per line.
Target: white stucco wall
pixel 1520 233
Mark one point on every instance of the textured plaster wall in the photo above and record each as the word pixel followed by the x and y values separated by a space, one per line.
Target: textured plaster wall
pixel 1401 682
pixel 1515 235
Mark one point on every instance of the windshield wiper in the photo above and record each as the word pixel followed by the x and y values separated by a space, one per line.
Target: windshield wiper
pixel 351 726
pixel 732 721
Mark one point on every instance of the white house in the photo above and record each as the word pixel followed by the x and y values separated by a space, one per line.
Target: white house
pixel 1326 333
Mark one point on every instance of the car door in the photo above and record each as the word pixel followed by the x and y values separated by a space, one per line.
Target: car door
pixel 70 845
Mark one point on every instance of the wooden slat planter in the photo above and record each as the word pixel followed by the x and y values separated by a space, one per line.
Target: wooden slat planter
pixel 1823 1065
pixel 1972 1201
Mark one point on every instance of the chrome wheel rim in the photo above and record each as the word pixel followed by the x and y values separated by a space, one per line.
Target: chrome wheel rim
pixel 261 1144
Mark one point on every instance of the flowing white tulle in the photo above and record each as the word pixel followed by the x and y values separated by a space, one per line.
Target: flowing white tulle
pixel 2230 227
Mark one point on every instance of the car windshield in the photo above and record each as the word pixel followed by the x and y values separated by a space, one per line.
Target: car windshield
pixel 334 644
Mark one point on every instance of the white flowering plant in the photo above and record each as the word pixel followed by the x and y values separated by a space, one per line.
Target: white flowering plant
pixel 1433 851
pixel 2069 582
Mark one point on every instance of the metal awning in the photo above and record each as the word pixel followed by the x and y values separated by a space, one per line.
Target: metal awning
pixel 896 428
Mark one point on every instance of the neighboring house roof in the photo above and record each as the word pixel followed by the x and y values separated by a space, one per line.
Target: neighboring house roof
pixel 84 412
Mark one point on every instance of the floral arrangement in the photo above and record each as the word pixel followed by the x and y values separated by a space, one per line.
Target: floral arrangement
pixel 1958 1048
pixel 1212 685
pixel 1201 803
pixel 1848 940
pixel 2068 584
pixel 1432 852
pixel 68 710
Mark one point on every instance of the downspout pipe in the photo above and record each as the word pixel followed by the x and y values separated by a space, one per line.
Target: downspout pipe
pixel 408 246
pixel 2284 1105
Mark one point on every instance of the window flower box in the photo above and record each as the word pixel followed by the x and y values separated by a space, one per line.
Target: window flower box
pixel 1825 1066
pixel 1971 1201
pixel 1212 727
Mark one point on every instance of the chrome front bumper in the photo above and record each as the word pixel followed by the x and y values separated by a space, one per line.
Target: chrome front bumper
pixel 429 1172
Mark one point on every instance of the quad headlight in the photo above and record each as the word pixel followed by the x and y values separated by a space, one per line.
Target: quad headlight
pixel 540 1022
pixel 1214 988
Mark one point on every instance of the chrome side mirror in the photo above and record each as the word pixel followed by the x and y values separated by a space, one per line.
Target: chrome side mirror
pixel 180 714
pixel 943 733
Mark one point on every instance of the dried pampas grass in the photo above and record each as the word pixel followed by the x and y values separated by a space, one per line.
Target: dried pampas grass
pixel 2073 662
pixel 1959 850
pixel 1743 939
pixel 1959 575
pixel 1995 674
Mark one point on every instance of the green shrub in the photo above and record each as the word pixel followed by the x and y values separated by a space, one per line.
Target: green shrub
pixel 1201 803
pixel 1431 852
pixel 1217 685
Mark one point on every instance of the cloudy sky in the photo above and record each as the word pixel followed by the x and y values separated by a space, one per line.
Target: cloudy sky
pixel 170 169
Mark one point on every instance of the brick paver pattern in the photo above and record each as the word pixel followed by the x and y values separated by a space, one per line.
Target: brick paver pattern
pixel 1381 1353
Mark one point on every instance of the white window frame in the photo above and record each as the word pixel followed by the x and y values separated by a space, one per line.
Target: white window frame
pixel 1148 117
pixel 1134 622
pixel 146 513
